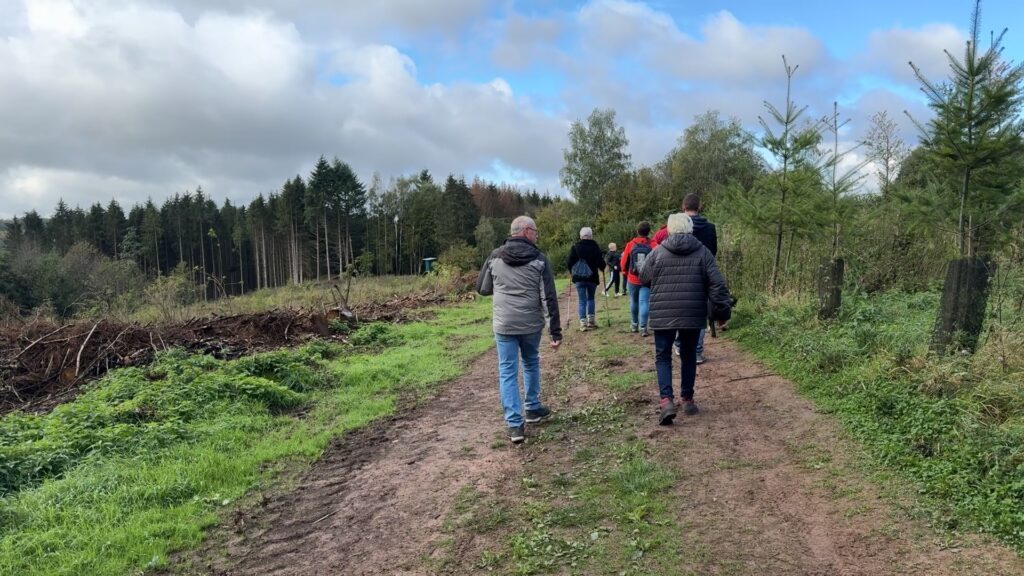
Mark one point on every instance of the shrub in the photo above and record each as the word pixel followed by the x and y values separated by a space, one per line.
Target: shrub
pixel 461 257
pixel 375 333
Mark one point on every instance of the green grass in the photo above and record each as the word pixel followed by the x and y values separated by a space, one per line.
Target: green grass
pixel 954 426
pixel 148 459
pixel 593 498
pixel 306 295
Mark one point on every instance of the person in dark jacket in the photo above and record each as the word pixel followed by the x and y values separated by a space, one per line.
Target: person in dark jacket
pixel 612 260
pixel 683 277
pixel 704 231
pixel 589 253
pixel 520 278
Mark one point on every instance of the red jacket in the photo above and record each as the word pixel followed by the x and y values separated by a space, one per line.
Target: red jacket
pixel 660 235
pixel 624 264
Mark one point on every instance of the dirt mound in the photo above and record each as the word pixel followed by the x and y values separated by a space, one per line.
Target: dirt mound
pixel 43 364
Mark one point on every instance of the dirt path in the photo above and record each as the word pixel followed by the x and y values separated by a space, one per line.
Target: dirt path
pixel 767 483
pixel 770 487
pixel 375 502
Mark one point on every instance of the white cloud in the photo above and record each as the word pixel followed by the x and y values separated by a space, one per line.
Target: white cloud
pixel 139 100
pixel 354 19
pixel 734 53
pixel 889 51
pixel 523 42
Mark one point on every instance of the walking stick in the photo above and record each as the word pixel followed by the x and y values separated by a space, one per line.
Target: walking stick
pixel 607 312
pixel 568 303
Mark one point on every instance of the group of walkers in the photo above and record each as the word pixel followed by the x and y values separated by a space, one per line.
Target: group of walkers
pixel 674 288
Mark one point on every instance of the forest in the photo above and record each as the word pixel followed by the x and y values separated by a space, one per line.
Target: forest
pixel 188 385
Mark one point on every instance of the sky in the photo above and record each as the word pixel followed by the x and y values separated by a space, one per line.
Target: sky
pixel 137 99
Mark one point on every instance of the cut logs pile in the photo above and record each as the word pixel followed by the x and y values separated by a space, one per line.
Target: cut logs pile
pixel 43 364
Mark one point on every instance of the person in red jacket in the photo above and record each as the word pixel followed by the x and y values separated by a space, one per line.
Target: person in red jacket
pixel 637 250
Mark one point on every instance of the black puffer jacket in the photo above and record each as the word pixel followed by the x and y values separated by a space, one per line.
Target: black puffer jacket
pixel 683 277
pixel 588 250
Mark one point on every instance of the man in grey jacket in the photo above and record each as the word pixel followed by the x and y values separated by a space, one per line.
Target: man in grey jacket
pixel 683 277
pixel 520 278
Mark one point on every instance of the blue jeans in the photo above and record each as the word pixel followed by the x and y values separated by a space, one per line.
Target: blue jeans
pixel 639 303
pixel 663 340
pixel 510 346
pixel 587 292
pixel 700 342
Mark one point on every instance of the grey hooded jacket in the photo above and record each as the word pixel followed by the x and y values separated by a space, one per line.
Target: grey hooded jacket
pixel 520 278
pixel 683 277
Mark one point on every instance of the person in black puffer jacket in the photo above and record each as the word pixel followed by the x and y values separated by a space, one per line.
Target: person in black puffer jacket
pixel 683 277
pixel 587 252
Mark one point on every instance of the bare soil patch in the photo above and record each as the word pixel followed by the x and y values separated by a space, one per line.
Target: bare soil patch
pixel 771 486
pixel 43 364
pixel 376 501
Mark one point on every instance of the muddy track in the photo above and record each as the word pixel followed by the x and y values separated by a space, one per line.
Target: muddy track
pixel 375 502
pixel 769 485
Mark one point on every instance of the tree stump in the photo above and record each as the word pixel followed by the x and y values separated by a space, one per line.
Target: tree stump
pixel 830 287
pixel 962 308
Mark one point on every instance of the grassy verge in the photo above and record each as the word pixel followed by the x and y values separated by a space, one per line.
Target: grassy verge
pixel 306 295
pixel 955 426
pixel 593 497
pixel 147 459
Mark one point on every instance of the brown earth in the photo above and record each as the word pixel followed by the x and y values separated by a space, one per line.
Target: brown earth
pixel 768 484
pixel 376 501
pixel 43 364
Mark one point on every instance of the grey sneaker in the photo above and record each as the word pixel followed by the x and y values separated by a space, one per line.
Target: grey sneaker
pixel 644 332
pixel 689 408
pixel 633 328
pixel 583 324
pixel 700 358
pixel 537 414
pixel 517 434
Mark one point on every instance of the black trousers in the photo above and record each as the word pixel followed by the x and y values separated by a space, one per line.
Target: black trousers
pixel 613 279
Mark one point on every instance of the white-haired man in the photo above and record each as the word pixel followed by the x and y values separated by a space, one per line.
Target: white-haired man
pixel 520 277
pixel 683 277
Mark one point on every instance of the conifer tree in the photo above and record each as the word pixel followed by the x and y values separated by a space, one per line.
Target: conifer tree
pixel 976 133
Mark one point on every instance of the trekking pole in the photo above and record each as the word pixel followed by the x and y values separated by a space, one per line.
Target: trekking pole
pixel 607 312
pixel 568 304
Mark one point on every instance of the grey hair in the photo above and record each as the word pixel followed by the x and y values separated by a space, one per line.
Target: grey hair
pixel 587 232
pixel 680 224
pixel 520 224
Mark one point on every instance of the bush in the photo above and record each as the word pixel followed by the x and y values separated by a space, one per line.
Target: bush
pixel 461 257
pixel 169 293
pixel 375 333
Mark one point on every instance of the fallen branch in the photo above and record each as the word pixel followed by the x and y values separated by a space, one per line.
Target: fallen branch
pixel 25 349
pixel 324 517
pixel 751 377
pixel 78 359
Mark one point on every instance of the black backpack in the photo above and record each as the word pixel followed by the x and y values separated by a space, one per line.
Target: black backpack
pixel 637 256
pixel 581 269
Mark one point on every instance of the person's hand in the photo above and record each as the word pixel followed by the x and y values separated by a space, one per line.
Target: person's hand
pixel 722 325
pixel 555 344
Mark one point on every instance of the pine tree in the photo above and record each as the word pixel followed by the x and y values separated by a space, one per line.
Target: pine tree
pixel 976 133
pixel 976 138
pixel 793 149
